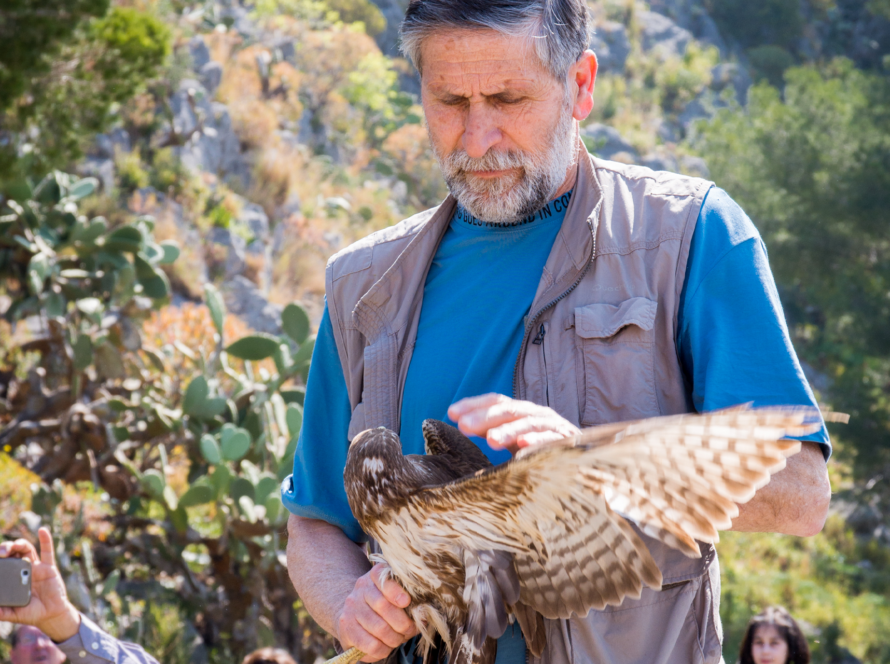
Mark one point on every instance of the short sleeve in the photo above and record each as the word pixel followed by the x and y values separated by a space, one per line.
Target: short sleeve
pixel 733 342
pixel 315 489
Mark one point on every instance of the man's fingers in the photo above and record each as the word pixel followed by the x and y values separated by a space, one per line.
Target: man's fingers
pixel 538 438
pixel 19 549
pixel 47 551
pixel 379 628
pixel 390 589
pixel 479 421
pixel 360 638
pixel 472 403
pixel 530 431
pixel 506 434
pixel 395 618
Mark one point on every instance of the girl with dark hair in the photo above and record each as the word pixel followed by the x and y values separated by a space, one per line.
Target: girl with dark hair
pixel 773 637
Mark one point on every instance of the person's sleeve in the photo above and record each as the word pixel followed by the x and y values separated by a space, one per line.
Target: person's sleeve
pixel 733 341
pixel 91 645
pixel 315 490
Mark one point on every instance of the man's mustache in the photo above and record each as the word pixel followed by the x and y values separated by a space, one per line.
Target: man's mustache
pixel 460 161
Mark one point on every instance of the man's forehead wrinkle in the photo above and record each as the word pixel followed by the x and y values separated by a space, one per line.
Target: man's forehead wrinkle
pixel 467 84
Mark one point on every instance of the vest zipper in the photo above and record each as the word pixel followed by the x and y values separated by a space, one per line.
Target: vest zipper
pixel 539 341
pixel 530 323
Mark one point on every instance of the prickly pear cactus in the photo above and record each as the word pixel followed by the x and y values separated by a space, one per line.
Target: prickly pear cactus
pixel 182 451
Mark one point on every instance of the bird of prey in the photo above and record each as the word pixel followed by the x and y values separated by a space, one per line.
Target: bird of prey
pixel 546 534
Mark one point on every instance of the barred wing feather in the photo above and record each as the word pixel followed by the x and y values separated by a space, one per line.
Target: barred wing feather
pixel 556 507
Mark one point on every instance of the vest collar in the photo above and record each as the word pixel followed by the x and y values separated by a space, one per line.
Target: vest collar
pixel 388 306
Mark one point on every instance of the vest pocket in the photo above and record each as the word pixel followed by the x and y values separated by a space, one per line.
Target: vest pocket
pixel 658 628
pixel 617 344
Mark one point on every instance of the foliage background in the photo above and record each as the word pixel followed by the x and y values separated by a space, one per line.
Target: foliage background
pixel 152 354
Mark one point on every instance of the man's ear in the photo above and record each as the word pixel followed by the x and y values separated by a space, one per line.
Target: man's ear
pixel 582 75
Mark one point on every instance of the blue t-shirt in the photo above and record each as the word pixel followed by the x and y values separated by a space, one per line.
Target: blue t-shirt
pixel 732 342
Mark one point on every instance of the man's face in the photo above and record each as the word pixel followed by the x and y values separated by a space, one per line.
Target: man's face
pixel 500 124
pixel 34 646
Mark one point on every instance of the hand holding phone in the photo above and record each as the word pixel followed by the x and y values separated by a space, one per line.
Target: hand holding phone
pixel 48 609
pixel 15 582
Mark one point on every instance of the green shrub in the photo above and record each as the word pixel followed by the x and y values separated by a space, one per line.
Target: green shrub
pixel 131 174
pixel 680 80
pixel 770 62
pixel 33 32
pixel 134 45
pixel 772 22
pixel 810 165
pixel 167 173
pixel 360 11
pixel 57 116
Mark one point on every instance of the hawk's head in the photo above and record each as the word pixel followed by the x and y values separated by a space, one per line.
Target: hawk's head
pixel 377 475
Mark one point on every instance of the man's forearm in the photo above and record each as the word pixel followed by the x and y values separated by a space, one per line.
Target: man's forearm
pixel 323 565
pixel 795 502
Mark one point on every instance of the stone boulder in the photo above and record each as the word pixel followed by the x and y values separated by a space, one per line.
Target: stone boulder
pixel 731 75
pixel 216 148
pixel 692 16
pixel 694 166
pixel 211 76
pixel 108 145
pixel 244 299
pixel 100 168
pixel 611 45
pixel 661 36
pixel 607 143
pixel 393 11
pixel 255 219
pixel 199 52
pixel 660 160
pixel 235 247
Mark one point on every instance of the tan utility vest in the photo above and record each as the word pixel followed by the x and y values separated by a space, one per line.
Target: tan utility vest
pixel 608 301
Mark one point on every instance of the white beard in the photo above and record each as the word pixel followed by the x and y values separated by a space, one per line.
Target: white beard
pixel 517 195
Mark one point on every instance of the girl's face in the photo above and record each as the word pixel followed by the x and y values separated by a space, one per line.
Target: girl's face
pixel 768 646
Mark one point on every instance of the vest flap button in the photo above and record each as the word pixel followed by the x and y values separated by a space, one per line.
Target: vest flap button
pixel 95 645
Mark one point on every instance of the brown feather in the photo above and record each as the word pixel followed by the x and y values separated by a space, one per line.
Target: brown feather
pixel 557 511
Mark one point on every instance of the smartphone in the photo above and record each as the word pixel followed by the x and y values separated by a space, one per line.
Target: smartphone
pixel 15 582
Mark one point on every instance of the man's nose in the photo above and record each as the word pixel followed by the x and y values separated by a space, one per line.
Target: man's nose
pixel 43 641
pixel 481 131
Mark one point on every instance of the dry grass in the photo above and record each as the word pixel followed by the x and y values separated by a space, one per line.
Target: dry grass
pixel 222 44
pixel 190 325
pixel 15 492
pixel 276 175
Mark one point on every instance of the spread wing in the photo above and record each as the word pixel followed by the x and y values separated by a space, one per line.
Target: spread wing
pixel 553 507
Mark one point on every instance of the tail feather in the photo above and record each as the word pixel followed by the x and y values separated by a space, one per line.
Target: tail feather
pixel 491 585
pixel 532 624
pixel 466 651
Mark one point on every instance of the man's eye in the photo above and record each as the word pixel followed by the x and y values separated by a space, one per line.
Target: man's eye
pixel 454 101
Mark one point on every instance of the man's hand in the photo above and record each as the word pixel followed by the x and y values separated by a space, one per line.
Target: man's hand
pixel 373 618
pixel 49 609
pixel 509 423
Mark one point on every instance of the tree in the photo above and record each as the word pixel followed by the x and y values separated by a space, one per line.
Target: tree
pixel 61 78
pixel 811 165
pixel 32 33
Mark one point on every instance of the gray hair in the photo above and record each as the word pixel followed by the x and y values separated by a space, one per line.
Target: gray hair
pixel 559 28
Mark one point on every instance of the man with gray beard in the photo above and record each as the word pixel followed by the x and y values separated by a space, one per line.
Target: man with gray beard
pixel 550 291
